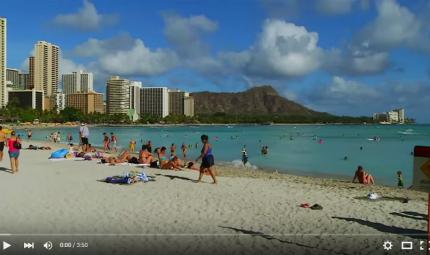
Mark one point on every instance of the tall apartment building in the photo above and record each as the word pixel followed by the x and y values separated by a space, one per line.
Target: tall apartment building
pixel 117 95
pixel 24 80
pixel 188 105
pixel 30 84
pixel 86 102
pixel 3 60
pixel 135 87
pixel 176 102
pixel 12 78
pixel 77 82
pixel 46 67
pixel 154 101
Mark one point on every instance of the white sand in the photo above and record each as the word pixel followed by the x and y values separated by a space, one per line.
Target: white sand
pixel 240 215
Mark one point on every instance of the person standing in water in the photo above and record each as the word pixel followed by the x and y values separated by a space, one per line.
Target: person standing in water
pixel 14 144
pixel 184 149
pixel 84 134
pixel 244 155
pixel 172 150
pixel 114 141
pixel 2 141
pixel 132 145
pixel 29 134
pixel 400 179
pixel 208 160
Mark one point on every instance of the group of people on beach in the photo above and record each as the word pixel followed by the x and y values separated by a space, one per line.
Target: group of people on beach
pixel 13 142
pixel 156 158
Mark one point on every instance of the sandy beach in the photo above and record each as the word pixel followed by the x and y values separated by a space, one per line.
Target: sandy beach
pixel 248 212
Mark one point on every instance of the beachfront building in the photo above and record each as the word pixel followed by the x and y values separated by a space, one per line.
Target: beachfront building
pixel 86 102
pixel 29 98
pixel 30 84
pixel 154 101
pixel 181 103
pixel 135 87
pixel 188 105
pixel 12 78
pixel 46 67
pixel 176 102
pixel 79 81
pixel 3 55
pixel 117 95
pixel 396 116
pixel 24 80
pixel 60 100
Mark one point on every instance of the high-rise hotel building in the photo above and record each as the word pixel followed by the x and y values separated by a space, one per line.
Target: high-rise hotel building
pixel 135 88
pixel 46 67
pixel 3 48
pixel 77 82
pixel 117 95
pixel 154 101
pixel 86 102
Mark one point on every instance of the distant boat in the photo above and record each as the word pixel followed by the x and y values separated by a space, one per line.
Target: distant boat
pixel 384 123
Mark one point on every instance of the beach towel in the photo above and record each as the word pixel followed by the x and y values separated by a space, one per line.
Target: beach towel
pixel 128 178
pixel 61 153
pixel 63 159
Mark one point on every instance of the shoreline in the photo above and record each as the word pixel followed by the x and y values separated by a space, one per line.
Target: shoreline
pixel 75 124
pixel 228 169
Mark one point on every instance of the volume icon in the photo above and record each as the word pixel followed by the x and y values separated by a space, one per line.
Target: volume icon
pixel 48 245
pixel 28 245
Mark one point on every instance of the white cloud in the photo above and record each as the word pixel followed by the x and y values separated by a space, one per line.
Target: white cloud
pixel 95 47
pixel 87 18
pixel 138 60
pixel 284 49
pixel 68 66
pixel 395 26
pixel 185 34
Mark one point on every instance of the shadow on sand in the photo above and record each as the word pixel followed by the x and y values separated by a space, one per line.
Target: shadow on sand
pixel 172 177
pixel 270 237
pixel 411 215
pixel 6 170
pixel 412 233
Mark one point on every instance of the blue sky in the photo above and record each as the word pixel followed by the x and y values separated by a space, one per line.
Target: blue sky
pixel 347 57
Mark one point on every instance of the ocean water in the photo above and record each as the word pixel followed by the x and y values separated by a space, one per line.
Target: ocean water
pixel 298 149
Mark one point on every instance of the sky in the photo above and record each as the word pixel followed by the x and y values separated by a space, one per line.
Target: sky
pixel 345 57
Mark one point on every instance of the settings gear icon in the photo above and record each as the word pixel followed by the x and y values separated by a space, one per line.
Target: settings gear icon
pixel 388 245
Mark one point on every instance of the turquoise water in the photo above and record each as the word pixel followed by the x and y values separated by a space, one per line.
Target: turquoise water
pixel 292 148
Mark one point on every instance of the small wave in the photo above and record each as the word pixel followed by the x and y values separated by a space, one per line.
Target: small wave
pixel 238 164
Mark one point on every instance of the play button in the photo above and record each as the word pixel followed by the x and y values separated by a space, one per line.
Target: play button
pixel 5 245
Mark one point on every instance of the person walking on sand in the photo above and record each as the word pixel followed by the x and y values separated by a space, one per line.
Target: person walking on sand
pixel 14 148
pixel 208 161
pixel 114 141
pixel 2 141
pixel 184 149
pixel 84 134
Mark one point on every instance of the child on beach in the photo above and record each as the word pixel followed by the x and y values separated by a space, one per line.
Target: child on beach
pixel 132 145
pixel 399 179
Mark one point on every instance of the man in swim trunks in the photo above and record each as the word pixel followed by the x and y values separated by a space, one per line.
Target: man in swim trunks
pixel 2 141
